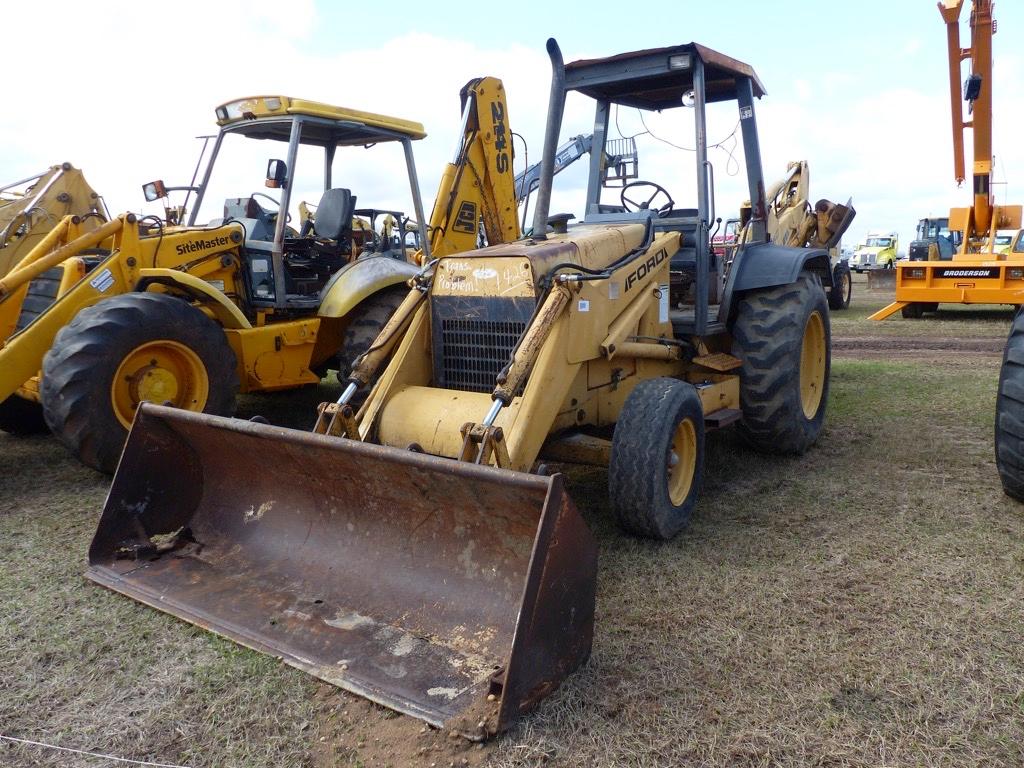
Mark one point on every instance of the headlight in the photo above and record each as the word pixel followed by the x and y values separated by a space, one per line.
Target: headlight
pixel 914 273
pixel 1015 273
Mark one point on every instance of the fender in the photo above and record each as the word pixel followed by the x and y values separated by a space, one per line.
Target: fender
pixel 765 265
pixel 227 314
pixel 362 278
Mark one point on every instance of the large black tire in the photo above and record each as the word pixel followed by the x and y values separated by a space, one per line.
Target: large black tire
pixel 657 461
pixel 82 401
pixel 21 417
pixel 783 338
pixel 913 311
pixel 368 319
pixel 842 287
pixel 1010 413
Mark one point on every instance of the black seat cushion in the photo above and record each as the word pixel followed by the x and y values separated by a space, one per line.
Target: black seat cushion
pixel 333 219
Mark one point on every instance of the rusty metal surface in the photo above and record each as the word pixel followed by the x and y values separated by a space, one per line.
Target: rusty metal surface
pixel 420 583
pixel 721 71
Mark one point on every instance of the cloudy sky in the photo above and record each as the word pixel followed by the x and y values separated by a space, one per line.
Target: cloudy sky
pixel 858 89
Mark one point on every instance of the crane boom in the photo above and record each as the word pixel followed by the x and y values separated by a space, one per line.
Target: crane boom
pixel 980 219
pixel 982 272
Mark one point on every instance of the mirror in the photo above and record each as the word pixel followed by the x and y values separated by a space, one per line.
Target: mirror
pixel 154 190
pixel 277 173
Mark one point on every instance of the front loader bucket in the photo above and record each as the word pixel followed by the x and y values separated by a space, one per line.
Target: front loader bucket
pixel 459 594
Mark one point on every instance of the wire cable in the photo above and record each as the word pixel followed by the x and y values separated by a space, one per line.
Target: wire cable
pixel 159 223
pixel 89 754
pixel 732 166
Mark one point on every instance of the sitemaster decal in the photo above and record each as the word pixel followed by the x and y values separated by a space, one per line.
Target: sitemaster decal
pixel 200 245
pixel 641 272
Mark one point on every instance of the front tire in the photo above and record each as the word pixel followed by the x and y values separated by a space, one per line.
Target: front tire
pixel 783 338
pixel 125 350
pixel 1009 429
pixel 657 461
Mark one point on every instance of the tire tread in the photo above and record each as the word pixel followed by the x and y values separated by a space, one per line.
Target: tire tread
pixel 768 339
pixel 84 346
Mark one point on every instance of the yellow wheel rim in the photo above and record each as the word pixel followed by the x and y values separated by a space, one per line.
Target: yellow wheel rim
pixel 847 281
pixel 812 365
pixel 682 461
pixel 161 372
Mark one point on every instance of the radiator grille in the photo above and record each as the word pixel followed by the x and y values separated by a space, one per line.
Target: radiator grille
pixel 475 351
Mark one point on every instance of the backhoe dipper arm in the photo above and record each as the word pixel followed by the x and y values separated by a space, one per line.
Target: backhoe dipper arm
pixel 478 185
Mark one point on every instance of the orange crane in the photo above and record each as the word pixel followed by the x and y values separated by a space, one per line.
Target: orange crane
pixel 977 272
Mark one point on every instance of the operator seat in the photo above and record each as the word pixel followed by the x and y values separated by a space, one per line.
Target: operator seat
pixel 333 220
pixel 310 261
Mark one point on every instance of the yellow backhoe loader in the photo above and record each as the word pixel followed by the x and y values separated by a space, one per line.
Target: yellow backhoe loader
pixel 794 222
pixel 146 309
pixel 31 207
pixel 413 550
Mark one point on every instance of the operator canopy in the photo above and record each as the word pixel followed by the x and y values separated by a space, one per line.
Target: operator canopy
pixel 658 78
pixel 270 117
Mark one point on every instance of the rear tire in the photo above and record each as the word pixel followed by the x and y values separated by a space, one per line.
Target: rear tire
pixel 21 417
pixel 783 337
pixel 842 287
pixel 126 349
pixel 1009 429
pixel 657 461
pixel 913 311
pixel 368 319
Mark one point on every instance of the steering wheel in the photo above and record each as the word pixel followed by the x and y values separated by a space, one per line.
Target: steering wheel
pixel 631 205
pixel 277 204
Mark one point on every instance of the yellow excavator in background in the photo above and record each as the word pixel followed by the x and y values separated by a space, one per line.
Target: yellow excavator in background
pixel 414 549
pixel 147 309
pixel 978 272
pixel 31 207
pixel 793 222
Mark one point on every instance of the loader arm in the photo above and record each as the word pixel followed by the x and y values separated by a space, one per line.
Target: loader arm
pixel 22 356
pixel 546 375
pixel 125 269
pixel 27 215
pixel 477 187
pixel 21 353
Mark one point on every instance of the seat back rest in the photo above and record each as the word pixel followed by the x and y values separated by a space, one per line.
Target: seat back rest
pixel 333 219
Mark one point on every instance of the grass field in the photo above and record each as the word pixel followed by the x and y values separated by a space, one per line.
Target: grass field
pixel 860 606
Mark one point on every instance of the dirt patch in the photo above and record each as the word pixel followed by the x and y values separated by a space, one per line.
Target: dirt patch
pixel 915 347
pixel 353 731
